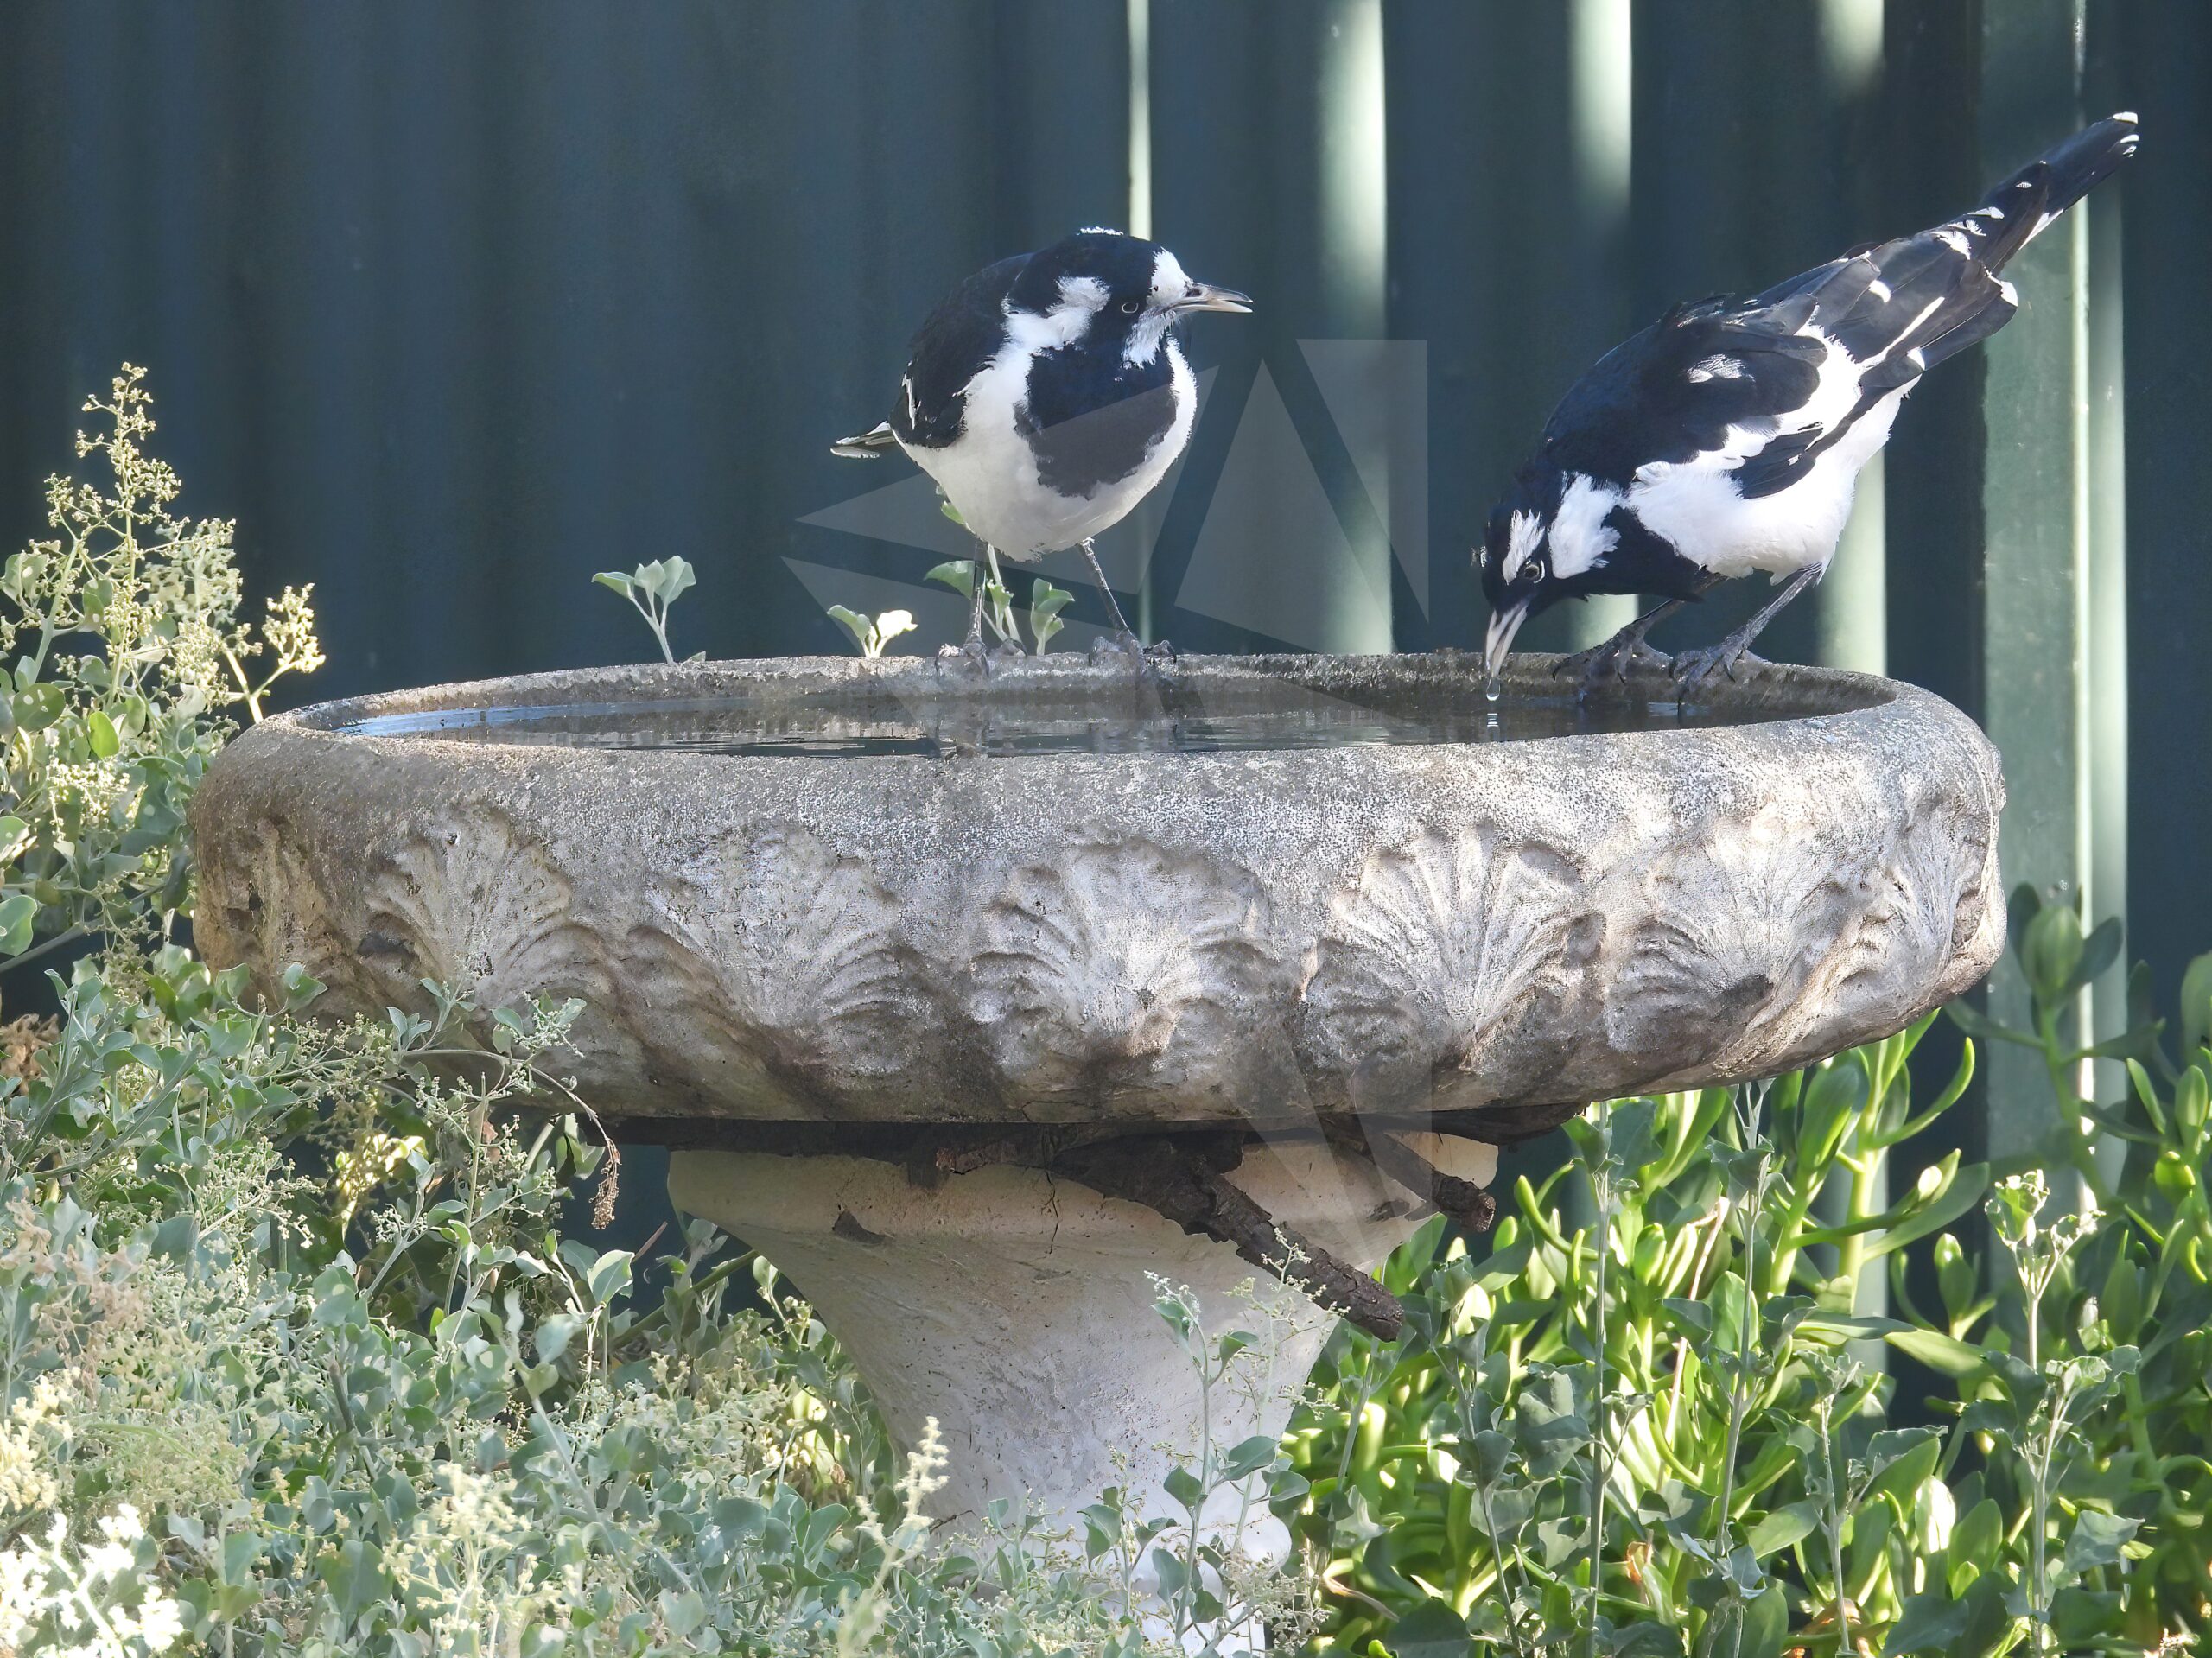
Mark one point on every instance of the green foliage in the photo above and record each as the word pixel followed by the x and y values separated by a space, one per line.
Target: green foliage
pixel 1046 604
pixel 1670 1426
pixel 1045 600
pixel 1209 1583
pixel 123 652
pixel 872 634
pixel 400 1414
pixel 653 589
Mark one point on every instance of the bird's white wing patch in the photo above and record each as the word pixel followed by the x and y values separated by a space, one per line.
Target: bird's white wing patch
pixel 1716 367
pixel 1580 536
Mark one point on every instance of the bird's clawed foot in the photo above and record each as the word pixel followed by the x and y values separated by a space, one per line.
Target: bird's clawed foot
pixel 1613 660
pixel 972 657
pixel 1618 657
pixel 1731 659
pixel 1148 659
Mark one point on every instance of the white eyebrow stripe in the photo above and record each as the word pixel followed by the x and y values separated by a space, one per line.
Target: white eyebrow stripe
pixel 1521 539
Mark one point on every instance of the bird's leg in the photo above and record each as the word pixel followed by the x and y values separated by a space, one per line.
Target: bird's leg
pixel 973 650
pixel 1003 622
pixel 1617 655
pixel 1692 667
pixel 1128 640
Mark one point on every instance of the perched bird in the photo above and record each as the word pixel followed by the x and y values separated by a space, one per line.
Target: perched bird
pixel 1728 436
pixel 1048 394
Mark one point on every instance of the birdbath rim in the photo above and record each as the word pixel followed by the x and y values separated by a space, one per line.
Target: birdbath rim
pixel 1488 933
pixel 1776 693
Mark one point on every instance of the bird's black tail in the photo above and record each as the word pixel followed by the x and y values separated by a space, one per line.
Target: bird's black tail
pixel 1943 290
pixel 2019 209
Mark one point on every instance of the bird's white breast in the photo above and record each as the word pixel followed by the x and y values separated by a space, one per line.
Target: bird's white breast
pixel 990 472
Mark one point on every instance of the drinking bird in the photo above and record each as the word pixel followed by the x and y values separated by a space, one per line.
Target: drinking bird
pixel 1048 394
pixel 1727 437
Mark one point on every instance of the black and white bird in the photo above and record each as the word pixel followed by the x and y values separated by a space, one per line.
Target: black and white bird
pixel 1048 395
pixel 1727 438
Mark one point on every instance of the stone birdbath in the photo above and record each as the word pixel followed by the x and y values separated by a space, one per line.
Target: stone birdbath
pixel 970 1002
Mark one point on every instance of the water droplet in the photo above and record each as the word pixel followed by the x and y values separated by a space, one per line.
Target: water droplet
pixel 1491 688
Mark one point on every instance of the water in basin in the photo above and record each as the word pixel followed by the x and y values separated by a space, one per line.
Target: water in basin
pixel 1170 719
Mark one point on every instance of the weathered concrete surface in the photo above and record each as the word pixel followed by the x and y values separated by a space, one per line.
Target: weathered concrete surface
pixel 1253 936
pixel 1017 1312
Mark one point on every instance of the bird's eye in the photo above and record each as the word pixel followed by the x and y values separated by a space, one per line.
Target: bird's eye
pixel 1130 308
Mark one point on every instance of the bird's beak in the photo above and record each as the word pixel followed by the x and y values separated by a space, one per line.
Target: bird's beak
pixel 1503 624
pixel 1203 296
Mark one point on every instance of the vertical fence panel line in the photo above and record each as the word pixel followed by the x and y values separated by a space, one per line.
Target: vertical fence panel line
pixel 2104 778
pixel 1149 513
pixel 2166 53
pixel 1139 26
pixel 1351 173
pixel 1848 607
pixel 1601 92
pixel 2036 555
pixel 1351 170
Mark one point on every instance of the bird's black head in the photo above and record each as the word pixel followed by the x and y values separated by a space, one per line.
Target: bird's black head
pixel 1108 290
pixel 1516 560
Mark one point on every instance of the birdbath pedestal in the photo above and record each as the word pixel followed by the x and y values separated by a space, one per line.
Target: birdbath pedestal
pixel 974 1001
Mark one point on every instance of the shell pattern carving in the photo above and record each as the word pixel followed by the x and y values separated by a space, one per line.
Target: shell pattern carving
pixel 1747 930
pixel 1931 896
pixel 785 953
pixel 476 904
pixel 1123 964
pixel 1460 955
pixel 262 905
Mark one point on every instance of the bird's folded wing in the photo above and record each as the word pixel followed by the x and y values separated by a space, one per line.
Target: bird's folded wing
pixel 1697 384
pixel 1762 388
pixel 961 335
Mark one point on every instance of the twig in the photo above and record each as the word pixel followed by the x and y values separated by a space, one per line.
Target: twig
pixel 59 941
pixel 1180 1180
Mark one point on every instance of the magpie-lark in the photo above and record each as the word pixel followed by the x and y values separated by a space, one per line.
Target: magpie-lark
pixel 1728 436
pixel 1048 394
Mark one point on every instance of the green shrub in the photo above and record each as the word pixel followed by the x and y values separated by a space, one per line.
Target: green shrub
pixel 382 1407
pixel 1671 1428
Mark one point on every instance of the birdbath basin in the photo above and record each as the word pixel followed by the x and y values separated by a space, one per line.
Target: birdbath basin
pixel 970 1002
